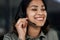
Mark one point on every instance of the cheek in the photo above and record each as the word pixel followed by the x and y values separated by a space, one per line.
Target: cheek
pixel 45 17
pixel 30 14
pixel 45 13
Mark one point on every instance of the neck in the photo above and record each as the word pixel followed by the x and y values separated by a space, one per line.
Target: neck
pixel 33 31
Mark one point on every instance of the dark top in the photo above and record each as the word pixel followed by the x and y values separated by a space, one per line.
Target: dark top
pixel 51 35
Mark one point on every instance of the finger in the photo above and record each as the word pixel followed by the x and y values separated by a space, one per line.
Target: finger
pixel 18 22
pixel 25 24
pixel 19 25
pixel 23 21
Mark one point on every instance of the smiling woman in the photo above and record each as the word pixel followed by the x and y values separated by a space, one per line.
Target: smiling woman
pixel 36 13
pixel 31 22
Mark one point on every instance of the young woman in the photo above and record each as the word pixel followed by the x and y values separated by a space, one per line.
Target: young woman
pixel 32 22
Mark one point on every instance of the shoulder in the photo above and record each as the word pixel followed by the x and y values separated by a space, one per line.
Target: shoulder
pixel 10 36
pixel 52 31
pixel 53 34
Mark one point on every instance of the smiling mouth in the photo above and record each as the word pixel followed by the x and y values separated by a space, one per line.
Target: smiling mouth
pixel 39 18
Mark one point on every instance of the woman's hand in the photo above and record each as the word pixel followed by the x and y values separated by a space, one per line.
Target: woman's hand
pixel 21 27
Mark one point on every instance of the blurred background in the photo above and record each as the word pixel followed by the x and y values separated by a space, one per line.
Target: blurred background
pixel 8 9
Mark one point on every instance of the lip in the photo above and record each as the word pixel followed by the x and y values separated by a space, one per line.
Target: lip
pixel 39 18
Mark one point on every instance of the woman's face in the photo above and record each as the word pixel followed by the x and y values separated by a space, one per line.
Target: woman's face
pixel 36 12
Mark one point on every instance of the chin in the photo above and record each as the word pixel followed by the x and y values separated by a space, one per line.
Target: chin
pixel 40 25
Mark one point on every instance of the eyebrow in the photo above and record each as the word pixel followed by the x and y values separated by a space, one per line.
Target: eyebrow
pixel 34 6
pixel 37 6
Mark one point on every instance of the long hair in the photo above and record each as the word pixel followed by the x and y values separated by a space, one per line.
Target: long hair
pixel 21 12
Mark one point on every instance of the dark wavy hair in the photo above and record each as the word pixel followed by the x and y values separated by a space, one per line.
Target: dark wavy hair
pixel 21 12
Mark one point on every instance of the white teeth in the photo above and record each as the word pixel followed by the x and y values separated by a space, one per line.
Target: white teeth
pixel 39 19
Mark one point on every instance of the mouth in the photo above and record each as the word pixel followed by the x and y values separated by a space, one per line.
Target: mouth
pixel 39 18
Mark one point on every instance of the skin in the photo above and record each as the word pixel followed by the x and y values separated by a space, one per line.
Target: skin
pixel 36 14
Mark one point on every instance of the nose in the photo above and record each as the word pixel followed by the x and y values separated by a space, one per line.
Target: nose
pixel 39 12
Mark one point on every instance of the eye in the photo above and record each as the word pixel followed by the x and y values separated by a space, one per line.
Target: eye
pixel 34 9
pixel 43 9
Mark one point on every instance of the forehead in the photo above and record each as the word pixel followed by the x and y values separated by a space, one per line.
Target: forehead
pixel 36 2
